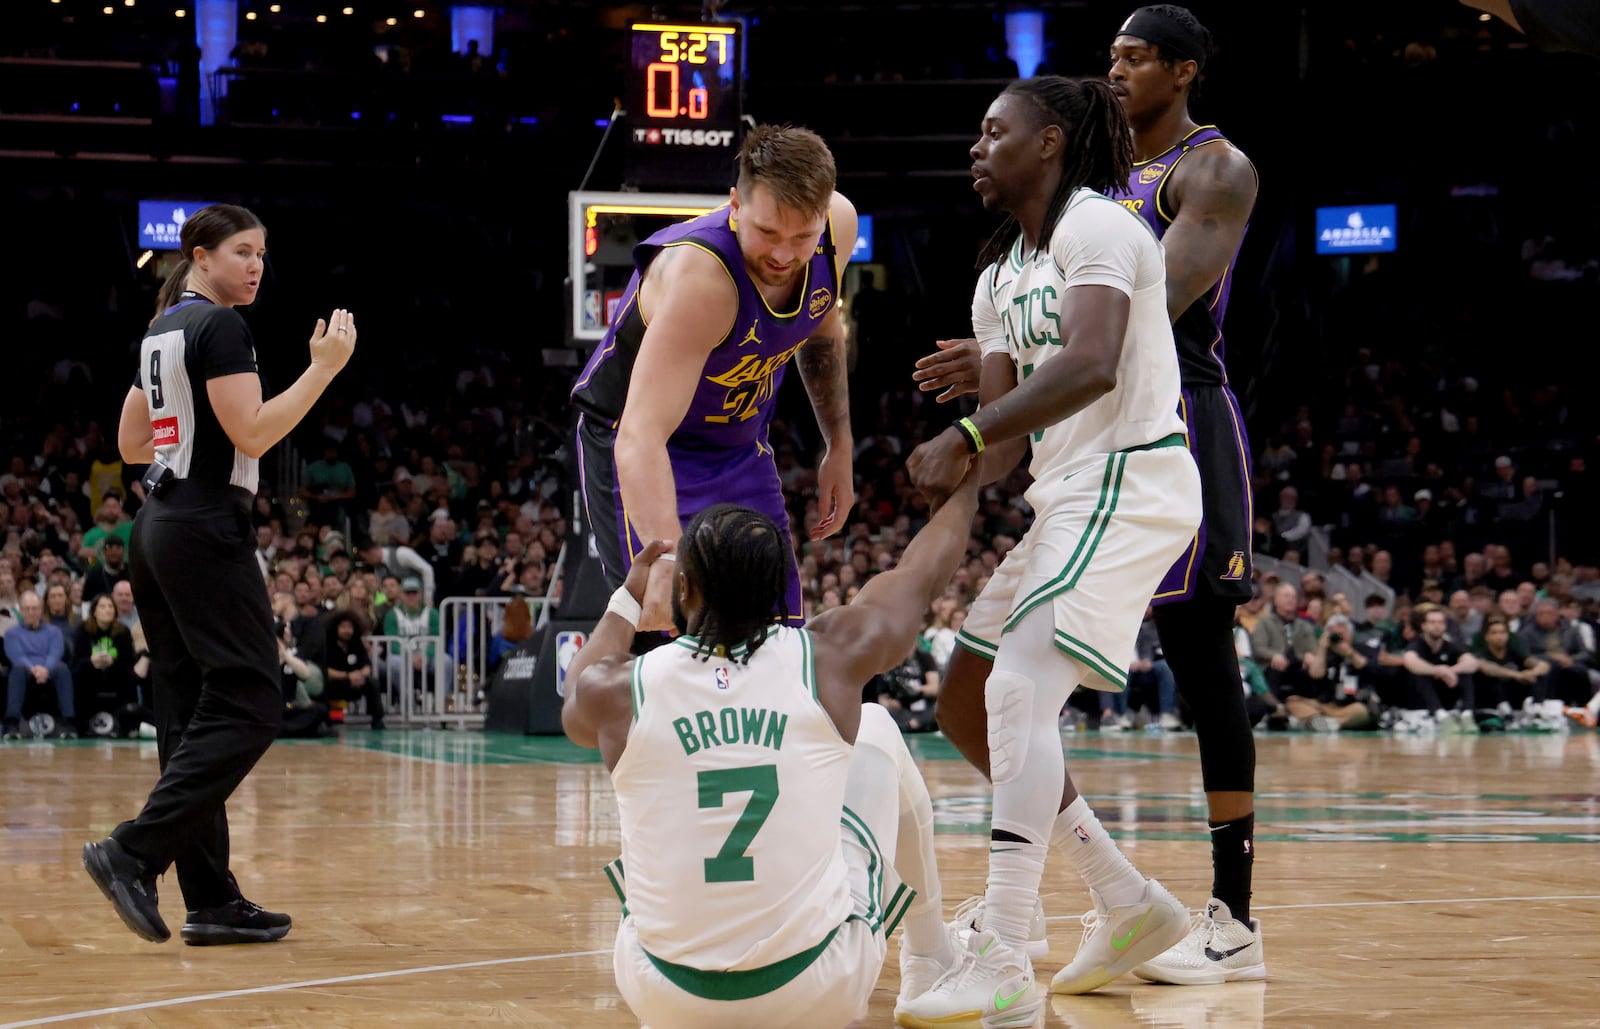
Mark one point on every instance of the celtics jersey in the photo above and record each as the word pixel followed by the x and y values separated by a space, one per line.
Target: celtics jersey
pixel 1017 311
pixel 730 792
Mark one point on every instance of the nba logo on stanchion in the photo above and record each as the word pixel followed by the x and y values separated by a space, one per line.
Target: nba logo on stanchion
pixel 567 646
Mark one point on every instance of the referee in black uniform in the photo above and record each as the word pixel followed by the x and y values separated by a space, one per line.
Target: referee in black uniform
pixel 196 417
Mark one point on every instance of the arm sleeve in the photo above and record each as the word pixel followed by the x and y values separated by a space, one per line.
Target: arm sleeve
pixel 1097 243
pixel 986 323
pixel 225 347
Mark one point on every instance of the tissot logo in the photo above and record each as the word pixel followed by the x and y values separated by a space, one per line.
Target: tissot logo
pixel 683 137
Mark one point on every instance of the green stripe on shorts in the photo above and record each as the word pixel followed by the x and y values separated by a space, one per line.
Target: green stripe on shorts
pixel 1096 661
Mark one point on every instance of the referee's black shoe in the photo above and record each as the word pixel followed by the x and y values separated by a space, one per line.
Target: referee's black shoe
pixel 129 888
pixel 237 921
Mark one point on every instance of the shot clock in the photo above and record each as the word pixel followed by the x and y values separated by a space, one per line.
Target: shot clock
pixel 684 92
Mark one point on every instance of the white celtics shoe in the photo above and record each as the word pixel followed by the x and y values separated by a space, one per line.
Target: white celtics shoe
pixel 1218 949
pixel 969 917
pixel 991 987
pixel 1120 939
pixel 919 972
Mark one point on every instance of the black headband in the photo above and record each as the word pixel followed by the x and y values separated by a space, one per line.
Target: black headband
pixel 1153 25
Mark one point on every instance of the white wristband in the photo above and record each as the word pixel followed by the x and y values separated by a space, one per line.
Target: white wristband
pixel 625 607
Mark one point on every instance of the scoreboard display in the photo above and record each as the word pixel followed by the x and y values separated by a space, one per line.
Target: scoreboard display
pixel 683 103
pixel 602 231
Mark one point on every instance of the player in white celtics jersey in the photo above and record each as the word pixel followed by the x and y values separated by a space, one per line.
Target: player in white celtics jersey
pixel 774 828
pixel 1070 310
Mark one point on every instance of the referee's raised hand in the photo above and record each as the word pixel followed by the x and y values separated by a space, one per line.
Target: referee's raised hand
pixel 334 340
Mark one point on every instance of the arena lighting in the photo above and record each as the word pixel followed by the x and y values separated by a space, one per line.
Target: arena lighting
pixel 144 259
pixel 419 13
pixel 249 16
pixel 216 29
pixel 468 21
pixel 1025 40
pixel 348 11
pixel 275 8
pixel 391 21
pixel 180 13
pixel 322 19
pixel 105 10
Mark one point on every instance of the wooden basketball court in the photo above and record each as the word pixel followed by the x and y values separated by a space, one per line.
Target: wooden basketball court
pixel 447 878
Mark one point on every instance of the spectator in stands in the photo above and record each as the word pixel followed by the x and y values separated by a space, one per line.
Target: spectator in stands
pixel 102 671
pixel 1441 673
pixel 1332 696
pixel 1282 642
pixel 109 521
pixel 411 618
pixel 482 567
pixel 386 526
pixel 1549 636
pixel 58 611
pixel 329 487
pixel 516 628
pixel 1509 676
pixel 110 569
pixel 1150 678
pixel 347 667
pixel 122 595
pixel 1291 525
pixel 35 649
pixel 1465 620
pixel 908 690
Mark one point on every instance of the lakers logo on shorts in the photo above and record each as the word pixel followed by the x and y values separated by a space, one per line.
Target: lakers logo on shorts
pixel 1235 570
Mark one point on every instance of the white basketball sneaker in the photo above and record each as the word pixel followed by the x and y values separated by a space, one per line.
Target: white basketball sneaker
pixel 919 972
pixel 991 987
pixel 969 917
pixel 1218 949
pixel 1119 939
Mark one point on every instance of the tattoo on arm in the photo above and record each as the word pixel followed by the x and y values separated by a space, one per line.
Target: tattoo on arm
pixel 822 372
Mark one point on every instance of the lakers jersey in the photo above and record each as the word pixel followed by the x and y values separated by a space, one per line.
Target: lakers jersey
pixel 1017 310
pixel 730 792
pixel 732 404
pixel 1202 354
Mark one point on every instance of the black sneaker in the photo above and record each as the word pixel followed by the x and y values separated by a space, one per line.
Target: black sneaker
pixel 238 921
pixel 129 888
pixel 12 730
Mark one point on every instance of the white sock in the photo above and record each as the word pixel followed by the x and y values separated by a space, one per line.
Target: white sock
pixel 1594 705
pixel 1079 835
pixel 1015 869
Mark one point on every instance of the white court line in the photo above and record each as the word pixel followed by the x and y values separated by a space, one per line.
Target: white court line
pixel 369 976
pixel 1376 904
pixel 280 987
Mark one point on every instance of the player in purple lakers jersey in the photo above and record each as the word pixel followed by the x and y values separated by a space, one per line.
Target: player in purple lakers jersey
pixel 1196 191
pixel 675 403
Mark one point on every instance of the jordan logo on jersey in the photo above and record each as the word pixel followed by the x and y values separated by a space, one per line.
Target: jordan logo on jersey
pixel 751 337
pixel 1235 570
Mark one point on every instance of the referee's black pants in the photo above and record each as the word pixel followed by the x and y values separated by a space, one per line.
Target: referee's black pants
pixel 214 665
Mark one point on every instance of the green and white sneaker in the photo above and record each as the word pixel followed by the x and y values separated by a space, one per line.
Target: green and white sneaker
pixel 1120 939
pixel 991 987
pixel 969 917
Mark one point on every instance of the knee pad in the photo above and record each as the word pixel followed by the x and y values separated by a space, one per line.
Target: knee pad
pixel 1008 700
